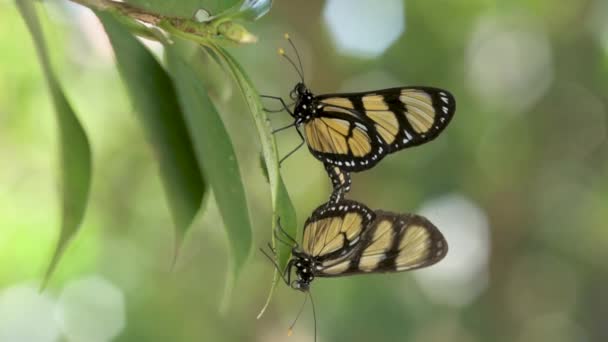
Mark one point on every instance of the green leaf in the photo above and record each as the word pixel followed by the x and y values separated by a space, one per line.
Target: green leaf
pixel 155 100
pixel 75 151
pixel 213 148
pixel 281 203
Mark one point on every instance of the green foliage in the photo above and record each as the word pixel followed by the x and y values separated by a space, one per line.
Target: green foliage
pixel 213 147
pixel 155 100
pixel 283 209
pixel 75 152
pixel 190 142
pixel 517 182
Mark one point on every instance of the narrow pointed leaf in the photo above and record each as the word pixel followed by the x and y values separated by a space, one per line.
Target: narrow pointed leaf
pixel 75 151
pixel 213 148
pixel 155 100
pixel 281 203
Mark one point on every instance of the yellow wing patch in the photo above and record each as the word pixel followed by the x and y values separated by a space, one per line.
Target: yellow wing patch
pixel 376 251
pixel 386 124
pixel 414 248
pixel 341 110
pixel 338 102
pixel 338 125
pixel 420 111
pixel 331 135
pixel 374 102
pixel 333 268
pixel 360 144
pixel 330 234
pixel 382 239
pixel 325 135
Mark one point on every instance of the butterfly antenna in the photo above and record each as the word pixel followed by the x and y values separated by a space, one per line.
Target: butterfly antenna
pixel 297 54
pixel 290 330
pixel 314 313
pixel 282 53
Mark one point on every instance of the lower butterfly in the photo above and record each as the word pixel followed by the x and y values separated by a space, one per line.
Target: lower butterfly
pixel 347 238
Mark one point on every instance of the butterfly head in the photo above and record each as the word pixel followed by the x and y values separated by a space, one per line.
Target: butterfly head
pixel 299 91
pixel 304 108
pixel 304 268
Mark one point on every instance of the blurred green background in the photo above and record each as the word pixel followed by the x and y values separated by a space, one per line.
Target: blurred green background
pixel 518 182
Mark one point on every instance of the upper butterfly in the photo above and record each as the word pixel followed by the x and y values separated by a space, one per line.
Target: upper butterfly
pixel 354 131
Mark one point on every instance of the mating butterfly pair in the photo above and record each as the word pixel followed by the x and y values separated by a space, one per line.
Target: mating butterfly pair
pixel 349 133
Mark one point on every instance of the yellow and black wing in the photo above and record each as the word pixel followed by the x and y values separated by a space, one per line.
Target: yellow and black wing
pixel 340 137
pixel 355 131
pixel 335 229
pixel 390 242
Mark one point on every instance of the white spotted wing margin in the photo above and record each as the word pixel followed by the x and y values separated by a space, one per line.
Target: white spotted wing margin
pixel 390 243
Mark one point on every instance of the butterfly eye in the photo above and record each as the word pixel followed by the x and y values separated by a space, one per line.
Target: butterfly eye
pixel 301 88
pixel 294 94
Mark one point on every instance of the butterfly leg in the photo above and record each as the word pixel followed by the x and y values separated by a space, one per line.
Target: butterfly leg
pixel 280 99
pixel 295 149
pixel 340 180
pixel 285 274
pixel 276 110
pixel 295 243
pixel 283 128
pixel 272 249
pixel 278 238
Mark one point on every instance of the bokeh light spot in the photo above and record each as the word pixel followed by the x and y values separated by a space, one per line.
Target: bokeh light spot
pixel 91 309
pixel 27 315
pixel 462 275
pixel 364 28
pixel 509 64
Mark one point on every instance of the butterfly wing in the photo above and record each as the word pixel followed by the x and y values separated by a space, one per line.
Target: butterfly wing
pixel 402 117
pixel 339 136
pixel 391 243
pixel 335 229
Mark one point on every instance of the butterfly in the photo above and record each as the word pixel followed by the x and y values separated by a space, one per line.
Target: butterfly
pixel 351 132
pixel 348 238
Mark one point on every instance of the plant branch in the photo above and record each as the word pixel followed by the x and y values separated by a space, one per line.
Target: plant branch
pixel 186 28
pixel 124 9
